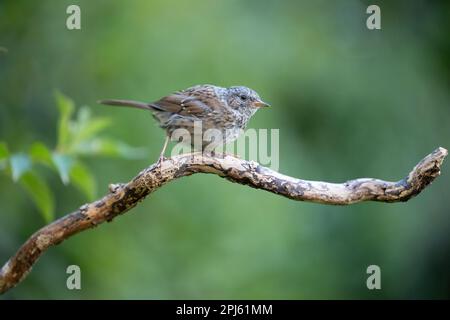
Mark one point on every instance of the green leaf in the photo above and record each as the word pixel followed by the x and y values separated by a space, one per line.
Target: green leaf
pixel 93 127
pixel 40 153
pixel 4 154
pixel 86 127
pixel 66 108
pixel 84 114
pixel 20 163
pixel 40 194
pixel 82 178
pixel 63 164
pixel 109 147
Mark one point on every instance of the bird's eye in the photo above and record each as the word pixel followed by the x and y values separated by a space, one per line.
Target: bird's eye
pixel 243 97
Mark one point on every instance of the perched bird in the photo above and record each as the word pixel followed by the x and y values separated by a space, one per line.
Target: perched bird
pixel 224 109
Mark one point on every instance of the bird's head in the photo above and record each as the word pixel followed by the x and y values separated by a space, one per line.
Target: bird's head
pixel 240 97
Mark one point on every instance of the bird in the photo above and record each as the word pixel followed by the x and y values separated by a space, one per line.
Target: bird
pixel 227 110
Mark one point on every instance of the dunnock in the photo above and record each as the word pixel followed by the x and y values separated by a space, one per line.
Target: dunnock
pixel 224 109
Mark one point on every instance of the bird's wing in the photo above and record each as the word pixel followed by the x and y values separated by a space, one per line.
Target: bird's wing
pixel 194 101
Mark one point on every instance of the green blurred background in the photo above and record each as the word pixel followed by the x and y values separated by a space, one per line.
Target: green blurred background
pixel 349 102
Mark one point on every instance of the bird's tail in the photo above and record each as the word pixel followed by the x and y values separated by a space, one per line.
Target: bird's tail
pixel 127 103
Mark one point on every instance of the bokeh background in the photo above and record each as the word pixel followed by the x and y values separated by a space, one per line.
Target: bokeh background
pixel 349 103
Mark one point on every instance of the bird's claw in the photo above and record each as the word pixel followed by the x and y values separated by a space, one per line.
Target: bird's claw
pixel 160 161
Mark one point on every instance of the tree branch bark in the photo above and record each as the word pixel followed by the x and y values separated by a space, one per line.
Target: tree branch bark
pixel 123 197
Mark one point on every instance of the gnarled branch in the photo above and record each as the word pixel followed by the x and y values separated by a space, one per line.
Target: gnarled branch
pixel 123 197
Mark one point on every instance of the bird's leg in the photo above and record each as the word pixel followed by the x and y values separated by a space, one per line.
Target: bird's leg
pixel 211 153
pixel 161 155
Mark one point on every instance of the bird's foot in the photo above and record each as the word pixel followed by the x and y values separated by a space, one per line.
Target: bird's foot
pixel 160 161
pixel 208 153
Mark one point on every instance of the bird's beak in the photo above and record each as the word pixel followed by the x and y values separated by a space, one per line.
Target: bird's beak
pixel 260 104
